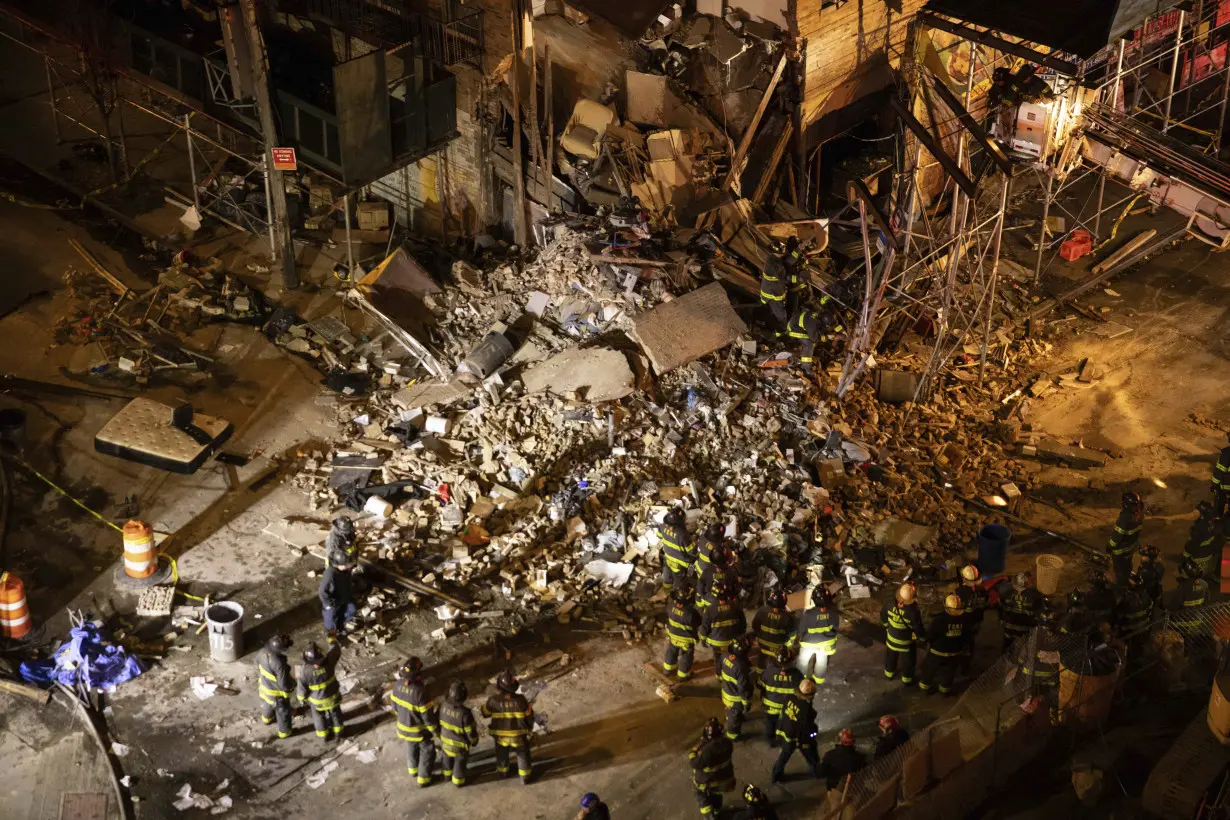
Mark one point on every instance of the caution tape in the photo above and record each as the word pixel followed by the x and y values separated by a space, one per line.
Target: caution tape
pixel 68 495
pixel 29 203
pixel 111 524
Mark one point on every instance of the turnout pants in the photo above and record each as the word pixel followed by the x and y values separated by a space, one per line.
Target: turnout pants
pixel 770 727
pixel 905 659
pixel 505 747
pixel 421 755
pixel 814 662
pixel 709 798
pixel 337 617
pixel 328 722
pixel 278 711
pixel 455 762
pixel 735 714
pixel 939 671
pixel 810 754
pixel 672 575
pixel 678 660
pixel 1123 567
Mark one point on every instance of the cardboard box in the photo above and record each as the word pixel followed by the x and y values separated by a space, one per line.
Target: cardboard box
pixel 372 216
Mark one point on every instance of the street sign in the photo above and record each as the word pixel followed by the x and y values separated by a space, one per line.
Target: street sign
pixel 284 159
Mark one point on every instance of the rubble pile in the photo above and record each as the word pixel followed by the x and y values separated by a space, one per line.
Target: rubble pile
pixel 140 335
pixel 531 502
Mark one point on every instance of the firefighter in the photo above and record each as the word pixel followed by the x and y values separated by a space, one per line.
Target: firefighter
pixel 1037 662
pixel 340 542
pixel 797 731
pixel 1201 545
pixel 1100 599
pixel 974 600
pixel 458 731
pixel 948 641
pixel 1126 536
pixel 903 626
pixel 842 760
pixel 1019 608
pixel 736 679
pixel 772 625
pixel 337 599
pixel 813 328
pixel 678 552
pixel 758 806
pixel 276 685
pixel 713 770
pixel 1077 621
pixel 1135 616
pixel 1221 481
pixel 512 721
pixel 318 686
pixel 778 683
pixel 722 623
pixel 1192 592
pixel 817 635
pixel 1152 571
pixel 682 623
pixel 711 537
pixel 892 737
pixel 721 571
pixel 774 286
pixel 417 720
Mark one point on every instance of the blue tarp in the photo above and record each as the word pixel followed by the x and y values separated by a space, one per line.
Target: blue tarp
pixel 86 656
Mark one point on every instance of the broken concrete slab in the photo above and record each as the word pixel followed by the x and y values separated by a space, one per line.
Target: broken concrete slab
pixel 684 329
pixel 598 373
pixel 898 532
pixel 1075 456
pixel 428 394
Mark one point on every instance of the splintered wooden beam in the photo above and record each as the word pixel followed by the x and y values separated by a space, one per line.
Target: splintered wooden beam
pixel 770 173
pixel 971 125
pixel 746 142
pixel 933 147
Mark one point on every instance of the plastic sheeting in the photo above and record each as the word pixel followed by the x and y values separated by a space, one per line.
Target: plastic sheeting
pixel 86 656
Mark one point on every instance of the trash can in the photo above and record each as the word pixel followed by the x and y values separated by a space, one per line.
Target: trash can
pixel 224 621
pixel 1050 567
pixel 486 358
pixel 993 549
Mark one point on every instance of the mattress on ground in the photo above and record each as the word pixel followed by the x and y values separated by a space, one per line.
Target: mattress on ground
pixel 143 432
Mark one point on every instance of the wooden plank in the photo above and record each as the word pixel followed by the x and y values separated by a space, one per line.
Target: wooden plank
pixel 933 147
pixel 1128 248
pixel 986 38
pixel 521 233
pixel 549 103
pixel 746 142
pixel 116 285
pixel 770 173
pixel 25 690
pixel 971 125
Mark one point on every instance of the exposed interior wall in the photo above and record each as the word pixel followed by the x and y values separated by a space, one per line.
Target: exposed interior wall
pixel 850 50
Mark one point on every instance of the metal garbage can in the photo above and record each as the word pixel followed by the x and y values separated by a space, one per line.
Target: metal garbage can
pixel 224 621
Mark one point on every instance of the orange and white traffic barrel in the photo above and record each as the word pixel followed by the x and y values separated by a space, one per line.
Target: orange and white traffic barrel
pixel 140 559
pixel 14 612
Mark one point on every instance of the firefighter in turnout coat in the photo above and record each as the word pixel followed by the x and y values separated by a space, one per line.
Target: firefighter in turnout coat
pixel 778 683
pixel 736 678
pixel 682 625
pixel 713 769
pixel 903 627
pixel 417 721
pixel 1019 609
pixel 722 623
pixel 458 732
pixel 948 641
pixel 1126 536
pixel 512 721
pixel 817 635
pixel 772 625
pixel 277 684
pixel 678 552
pixel 318 686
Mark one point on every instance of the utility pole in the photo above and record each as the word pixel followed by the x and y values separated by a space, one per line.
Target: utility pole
pixel 280 227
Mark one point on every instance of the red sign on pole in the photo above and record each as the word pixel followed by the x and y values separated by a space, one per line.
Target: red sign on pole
pixel 284 159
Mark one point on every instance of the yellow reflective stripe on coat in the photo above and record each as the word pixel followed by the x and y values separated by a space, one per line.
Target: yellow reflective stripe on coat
pixel 509 715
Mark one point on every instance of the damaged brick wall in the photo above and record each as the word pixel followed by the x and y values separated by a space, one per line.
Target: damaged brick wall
pixel 851 51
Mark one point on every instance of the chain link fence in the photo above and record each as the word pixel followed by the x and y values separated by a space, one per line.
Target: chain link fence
pixel 1005 716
